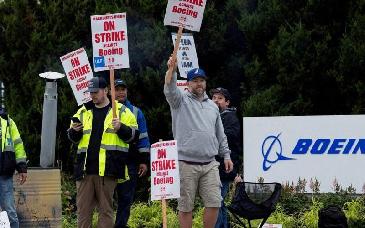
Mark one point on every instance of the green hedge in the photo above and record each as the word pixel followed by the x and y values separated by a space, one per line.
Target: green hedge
pixel 296 208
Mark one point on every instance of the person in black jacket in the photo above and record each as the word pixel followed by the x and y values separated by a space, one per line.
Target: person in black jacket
pixel 102 149
pixel 232 129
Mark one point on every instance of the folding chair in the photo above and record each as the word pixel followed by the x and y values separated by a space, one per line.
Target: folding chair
pixel 254 201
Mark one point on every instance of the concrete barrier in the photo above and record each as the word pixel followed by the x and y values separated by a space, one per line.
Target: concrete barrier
pixel 38 200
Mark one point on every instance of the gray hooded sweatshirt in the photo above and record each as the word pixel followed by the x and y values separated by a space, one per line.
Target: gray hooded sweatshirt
pixel 196 125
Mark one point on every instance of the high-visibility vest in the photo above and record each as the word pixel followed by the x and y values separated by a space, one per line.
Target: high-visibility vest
pixel 11 143
pixel 110 142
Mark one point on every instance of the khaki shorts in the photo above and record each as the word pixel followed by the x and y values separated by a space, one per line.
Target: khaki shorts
pixel 202 178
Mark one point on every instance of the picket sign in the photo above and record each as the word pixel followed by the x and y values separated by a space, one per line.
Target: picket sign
pixel 78 71
pixel 188 15
pixel 110 41
pixel 4 220
pixel 185 13
pixel 165 177
pixel 187 58
pixel 110 46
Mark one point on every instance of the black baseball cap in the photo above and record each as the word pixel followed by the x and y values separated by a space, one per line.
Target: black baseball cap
pixel 96 83
pixel 120 82
pixel 222 91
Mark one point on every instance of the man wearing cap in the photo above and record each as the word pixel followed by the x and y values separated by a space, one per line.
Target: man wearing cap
pixel 198 129
pixel 231 124
pixel 102 148
pixel 138 158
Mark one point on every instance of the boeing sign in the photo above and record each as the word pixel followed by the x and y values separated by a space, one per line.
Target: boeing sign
pixel 286 148
pixel 272 146
pixel 330 146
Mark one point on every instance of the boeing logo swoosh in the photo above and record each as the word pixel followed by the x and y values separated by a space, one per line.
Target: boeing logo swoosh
pixel 271 145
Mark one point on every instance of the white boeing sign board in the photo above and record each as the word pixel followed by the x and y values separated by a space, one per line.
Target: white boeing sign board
pixel 79 73
pixel 165 177
pixel 286 148
pixel 110 41
pixel 185 13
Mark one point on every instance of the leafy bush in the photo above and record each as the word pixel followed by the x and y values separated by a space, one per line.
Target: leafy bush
pixel 279 217
pixel 69 221
pixel 68 196
pixel 355 212
pixel 150 215
pixel 299 209
pixel 309 218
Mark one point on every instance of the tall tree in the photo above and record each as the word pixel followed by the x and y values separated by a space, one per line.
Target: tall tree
pixel 293 57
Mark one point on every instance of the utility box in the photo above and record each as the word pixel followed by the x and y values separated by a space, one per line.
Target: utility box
pixel 38 200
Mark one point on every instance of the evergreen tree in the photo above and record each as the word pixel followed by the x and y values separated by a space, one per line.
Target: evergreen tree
pixel 295 60
pixel 295 57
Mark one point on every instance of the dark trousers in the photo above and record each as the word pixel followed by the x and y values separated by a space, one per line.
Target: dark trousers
pixel 125 192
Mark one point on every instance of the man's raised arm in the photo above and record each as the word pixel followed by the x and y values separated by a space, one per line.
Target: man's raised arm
pixel 172 93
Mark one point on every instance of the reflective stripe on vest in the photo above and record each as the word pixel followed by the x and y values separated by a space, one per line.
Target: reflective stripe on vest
pixel 143 135
pixel 121 111
pixel 135 111
pixel 84 132
pixel 82 150
pixel 144 150
pixel 17 141
pixel 113 147
pixel 9 148
pixel 18 160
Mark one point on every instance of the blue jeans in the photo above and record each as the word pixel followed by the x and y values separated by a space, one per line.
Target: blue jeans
pixel 125 192
pixel 222 220
pixel 7 200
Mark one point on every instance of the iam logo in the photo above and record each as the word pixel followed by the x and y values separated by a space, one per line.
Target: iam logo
pixel 99 61
pixel 272 151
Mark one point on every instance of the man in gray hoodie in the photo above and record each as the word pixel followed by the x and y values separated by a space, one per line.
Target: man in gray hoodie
pixel 198 129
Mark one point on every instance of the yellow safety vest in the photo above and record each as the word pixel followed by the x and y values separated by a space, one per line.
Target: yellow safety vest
pixel 113 150
pixel 12 147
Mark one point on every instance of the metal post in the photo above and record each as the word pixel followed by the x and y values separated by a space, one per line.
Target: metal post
pixel 49 124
